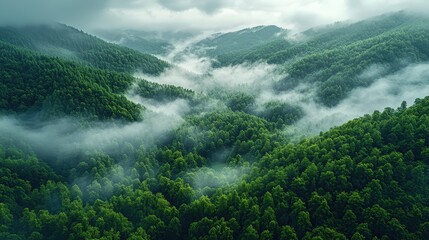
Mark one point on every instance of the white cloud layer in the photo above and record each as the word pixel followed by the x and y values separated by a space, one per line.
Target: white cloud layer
pixel 212 15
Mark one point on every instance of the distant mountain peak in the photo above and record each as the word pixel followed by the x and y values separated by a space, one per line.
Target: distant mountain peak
pixel 261 28
pixel 220 43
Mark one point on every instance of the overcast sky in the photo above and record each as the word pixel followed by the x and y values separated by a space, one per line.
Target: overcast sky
pixel 211 15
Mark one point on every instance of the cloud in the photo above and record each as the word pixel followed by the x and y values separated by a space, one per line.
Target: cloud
pixel 66 137
pixel 78 12
pixel 206 179
pixel 208 6
pixel 174 109
pixel 259 80
pixel 389 91
pixel 69 143
pixel 196 74
pixel 360 9
pixel 228 15
pixel 214 15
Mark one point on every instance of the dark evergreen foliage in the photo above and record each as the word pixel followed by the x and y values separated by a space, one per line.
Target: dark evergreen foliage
pixel 71 44
pixel 223 174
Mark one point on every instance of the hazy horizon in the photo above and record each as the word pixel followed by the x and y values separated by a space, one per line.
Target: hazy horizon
pixel 191 15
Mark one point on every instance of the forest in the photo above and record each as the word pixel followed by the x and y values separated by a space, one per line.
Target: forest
pixel 92 147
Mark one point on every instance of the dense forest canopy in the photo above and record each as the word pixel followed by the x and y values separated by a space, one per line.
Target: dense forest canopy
pixel 336 56
pixel 98 141
pixel 58 88
pixel 71 44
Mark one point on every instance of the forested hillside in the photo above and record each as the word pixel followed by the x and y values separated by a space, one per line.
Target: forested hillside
pixel 329 37
pixel 71 44
pixel 89 151
pixel 363 180
pixel 233 42
pixel 335 57
pixel 142 41
pixel 51 87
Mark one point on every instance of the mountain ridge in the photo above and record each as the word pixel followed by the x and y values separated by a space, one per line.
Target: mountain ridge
pixel 69 43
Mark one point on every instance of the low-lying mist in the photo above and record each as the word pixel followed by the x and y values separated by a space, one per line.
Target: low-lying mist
pixel 63 139
pixel 70 146
pixel 259 81
pixel 59 138
pixel 205 79
pixel 206 179
pixel 389 91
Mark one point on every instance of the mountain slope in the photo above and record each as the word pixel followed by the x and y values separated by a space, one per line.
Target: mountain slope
pixel 69 43
pixel 34 83
pixel 326 38
pixel 336 58
pixel 363 180
pixel 245 39
pixel 258 53
pixel 339 70
pixel 145 42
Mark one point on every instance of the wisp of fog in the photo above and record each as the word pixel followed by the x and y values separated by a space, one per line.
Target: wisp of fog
pixel 257 79
pixel 389 91
pixel 64 136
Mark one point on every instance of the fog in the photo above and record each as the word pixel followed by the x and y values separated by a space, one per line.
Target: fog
pixel 64 137
pixel 67 142
pixel 407 84
pixel 205 179
pixel 196 73
pixel 258 80
pixel 174 110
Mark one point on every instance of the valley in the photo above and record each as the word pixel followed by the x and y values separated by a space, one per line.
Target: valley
pixel 256 133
